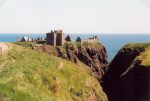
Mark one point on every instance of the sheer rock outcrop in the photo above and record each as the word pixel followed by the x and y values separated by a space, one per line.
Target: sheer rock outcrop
pixel 128 77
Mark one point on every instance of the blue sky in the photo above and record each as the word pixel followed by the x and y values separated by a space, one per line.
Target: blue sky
pixel 74 16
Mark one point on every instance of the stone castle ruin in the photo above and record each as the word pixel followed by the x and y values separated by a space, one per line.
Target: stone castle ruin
pixel 90 40
pixel 55 38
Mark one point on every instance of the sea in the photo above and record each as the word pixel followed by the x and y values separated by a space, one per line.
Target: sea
pixel 112 42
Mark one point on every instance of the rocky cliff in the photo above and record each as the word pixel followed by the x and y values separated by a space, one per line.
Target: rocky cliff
pixel 92 54
pixel 128 76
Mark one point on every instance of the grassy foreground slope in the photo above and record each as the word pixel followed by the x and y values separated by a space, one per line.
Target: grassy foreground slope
pixel 27 75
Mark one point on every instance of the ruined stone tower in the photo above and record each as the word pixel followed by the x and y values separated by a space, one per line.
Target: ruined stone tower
pixel 55 38
pixel 59 38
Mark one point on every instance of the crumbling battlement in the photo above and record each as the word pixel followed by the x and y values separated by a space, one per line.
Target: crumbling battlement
pixel 91 39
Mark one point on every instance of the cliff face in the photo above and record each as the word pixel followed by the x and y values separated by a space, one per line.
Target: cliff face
pixel 128 76
pixel 94 55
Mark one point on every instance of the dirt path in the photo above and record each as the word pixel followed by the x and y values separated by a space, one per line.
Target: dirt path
pixel 4 47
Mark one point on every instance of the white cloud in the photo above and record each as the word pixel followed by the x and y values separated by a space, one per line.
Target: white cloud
pixel 96 16
pixel 2 2
pixel 146 3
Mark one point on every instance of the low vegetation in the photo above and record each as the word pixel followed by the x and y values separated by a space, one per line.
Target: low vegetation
pixel 28 75
pixel 26 44
pixel 85 44
pixel 145 55
pixel 137 45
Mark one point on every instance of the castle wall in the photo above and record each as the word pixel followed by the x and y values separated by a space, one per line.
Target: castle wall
pixel 60 39
pixel 55 38
pixel 51 38
pixel 89 40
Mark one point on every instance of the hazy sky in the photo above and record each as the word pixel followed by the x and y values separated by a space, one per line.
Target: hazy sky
pixel 75 16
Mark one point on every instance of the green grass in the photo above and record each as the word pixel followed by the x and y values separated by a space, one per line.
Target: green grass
pixel 137 45
pixel 79 45
pixel 93 44
pixel 144 56
pixel 28 75
pixel 26 44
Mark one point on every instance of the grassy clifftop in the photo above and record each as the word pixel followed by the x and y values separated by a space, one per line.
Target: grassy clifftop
pixel 28 75
pixel 128 76
pixel 145 55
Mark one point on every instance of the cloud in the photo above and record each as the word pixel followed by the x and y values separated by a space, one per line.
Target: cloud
pixel 105 16
pixel 146 3
pixel 2 2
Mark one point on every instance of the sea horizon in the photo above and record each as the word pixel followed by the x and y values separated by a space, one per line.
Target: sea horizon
pixel 112 42
pixel 84 33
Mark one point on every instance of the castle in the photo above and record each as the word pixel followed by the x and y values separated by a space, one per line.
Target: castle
pixel 90 40
pixel 55 38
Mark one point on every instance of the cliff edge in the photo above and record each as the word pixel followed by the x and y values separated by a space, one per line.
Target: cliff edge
pixel 92 54
pixel 128 76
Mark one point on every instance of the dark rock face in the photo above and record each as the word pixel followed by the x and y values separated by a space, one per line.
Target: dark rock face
pixel 127 80
pixel 96 58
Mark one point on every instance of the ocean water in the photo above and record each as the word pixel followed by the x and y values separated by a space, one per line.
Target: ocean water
pixel 112 42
